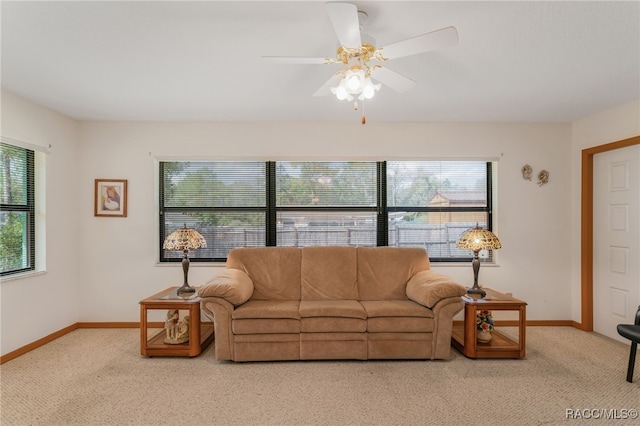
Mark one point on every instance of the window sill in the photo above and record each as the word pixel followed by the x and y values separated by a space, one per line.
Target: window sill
pixel 22 275
pixel 193 264
pixel 462 264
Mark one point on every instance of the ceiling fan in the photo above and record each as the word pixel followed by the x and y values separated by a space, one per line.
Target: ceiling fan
pixel 362 59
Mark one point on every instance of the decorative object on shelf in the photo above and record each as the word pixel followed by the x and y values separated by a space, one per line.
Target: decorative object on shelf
pixel 477 239
pixel 543 177
pixel 184 239
pixel 527 171
pixel 484 336
pixel 484 324
pixel 177 329
pixel 110 198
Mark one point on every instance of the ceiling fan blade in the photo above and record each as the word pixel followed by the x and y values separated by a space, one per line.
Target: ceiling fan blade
pixel 297 60
pixel 344 17
pixel 325 89
pixel 396 81
pixel 437 39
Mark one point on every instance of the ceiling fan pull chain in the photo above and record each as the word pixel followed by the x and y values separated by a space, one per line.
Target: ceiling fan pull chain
pixel 363 120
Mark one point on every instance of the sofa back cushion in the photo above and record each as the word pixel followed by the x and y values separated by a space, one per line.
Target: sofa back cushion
pixel 275 271
pixel 383 272
pixel 329 273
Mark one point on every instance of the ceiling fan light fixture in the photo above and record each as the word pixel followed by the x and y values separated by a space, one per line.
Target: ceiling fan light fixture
pixel 369 89
pixel 341 91
pixel 358 53
pixel 354 80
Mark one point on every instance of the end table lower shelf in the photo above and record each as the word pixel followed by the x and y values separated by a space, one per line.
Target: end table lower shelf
pixel 201 334
pixel 156 346
pixel 464 333
pixel 500 346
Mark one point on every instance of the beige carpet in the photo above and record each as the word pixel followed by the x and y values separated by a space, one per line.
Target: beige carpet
pixel 97 377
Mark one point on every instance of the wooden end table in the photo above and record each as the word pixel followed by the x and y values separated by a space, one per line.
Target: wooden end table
pixel 464 334
pixel 200 333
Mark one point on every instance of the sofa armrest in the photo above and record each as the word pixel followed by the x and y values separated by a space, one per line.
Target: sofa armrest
pixel 428 288
pixel 219 311
pixel 232 285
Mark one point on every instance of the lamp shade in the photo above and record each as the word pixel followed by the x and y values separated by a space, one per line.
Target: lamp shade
pixel 477 239
pixel 184 239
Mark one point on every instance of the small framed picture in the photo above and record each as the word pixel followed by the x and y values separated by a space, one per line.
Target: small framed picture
pixel 110 198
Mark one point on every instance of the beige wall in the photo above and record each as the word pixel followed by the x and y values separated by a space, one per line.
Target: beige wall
pixel 608 126
pixel 529 216
pixel 36 306
pixel 99 268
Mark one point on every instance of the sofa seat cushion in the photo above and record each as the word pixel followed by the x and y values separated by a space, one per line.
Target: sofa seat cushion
pixel 333 325
pixel 400 325
pixel 266 316
pixel 332 308
pixel 398 316
pixel 332 316
pixel 265 326
pixel 395 308
pixel 268 309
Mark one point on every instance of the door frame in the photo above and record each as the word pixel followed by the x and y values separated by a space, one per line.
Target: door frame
pixel 586 244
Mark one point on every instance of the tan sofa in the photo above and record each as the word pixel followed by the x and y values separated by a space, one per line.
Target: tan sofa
pixel 289 303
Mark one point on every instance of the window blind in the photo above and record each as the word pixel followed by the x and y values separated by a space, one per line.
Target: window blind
pixel 302 203
pixel 224 201
pixel 431 203
pixel 326 203
pixel 17 209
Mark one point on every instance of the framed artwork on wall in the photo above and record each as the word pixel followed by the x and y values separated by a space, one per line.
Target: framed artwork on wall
pixel 110 198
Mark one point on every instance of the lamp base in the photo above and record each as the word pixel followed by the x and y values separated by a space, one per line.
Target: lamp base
pixel 476 292
pixel 186 288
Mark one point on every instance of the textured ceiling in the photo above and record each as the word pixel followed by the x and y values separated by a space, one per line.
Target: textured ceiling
pixel 195 61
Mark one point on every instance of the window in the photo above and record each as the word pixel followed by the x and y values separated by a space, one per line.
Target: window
pixel 326 203
pixel 431 203
pixel 17 209
pixel 224 201
pixel 397 203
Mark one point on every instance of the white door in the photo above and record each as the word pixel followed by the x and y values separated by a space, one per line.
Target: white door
pixel 616 239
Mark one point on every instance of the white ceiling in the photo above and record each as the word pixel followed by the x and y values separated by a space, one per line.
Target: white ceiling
pixel 202 61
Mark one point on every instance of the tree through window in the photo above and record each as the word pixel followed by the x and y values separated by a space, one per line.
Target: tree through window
pixel 17 210
pixel 302 203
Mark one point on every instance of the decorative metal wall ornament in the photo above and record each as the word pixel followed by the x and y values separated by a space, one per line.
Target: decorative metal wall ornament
pixel 543 177
pixel 527 172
